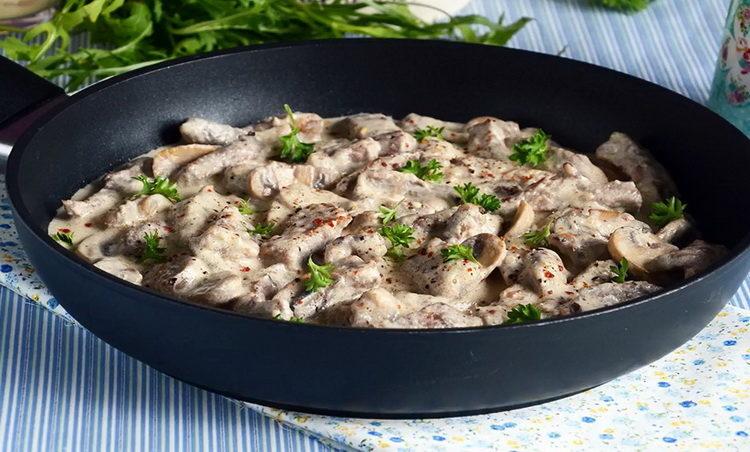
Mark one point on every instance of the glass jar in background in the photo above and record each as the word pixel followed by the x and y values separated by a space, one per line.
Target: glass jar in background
pixel 730 92
pixel 23 13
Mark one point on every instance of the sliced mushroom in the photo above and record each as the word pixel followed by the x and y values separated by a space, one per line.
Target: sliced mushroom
pixel 122 268
pixel 639 246
pixel 677 232
pixel 168 160
pixel 522 221
pixel 611 293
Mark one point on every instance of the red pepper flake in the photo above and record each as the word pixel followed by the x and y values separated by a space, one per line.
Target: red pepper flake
pixel 168 229
pixel 245 269
pixel 209 189
pixel 388 280
pixel 64 230
pixel 430 254
pixel 548 274
pixel 317 222
pixel 383 164
pixel 88 225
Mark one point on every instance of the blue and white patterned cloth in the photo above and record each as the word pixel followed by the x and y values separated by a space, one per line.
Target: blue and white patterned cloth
pixel 63 389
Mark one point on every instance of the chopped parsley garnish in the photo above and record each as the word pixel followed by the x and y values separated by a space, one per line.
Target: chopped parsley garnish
pixel 319 277
pixel 262 229
pixel 159 186
pixel 533 150
pixel 664 212
pixel 400 237
pixel 66 238
pixel 387 214
pixel 245 208
pixel 292 149
pixel 469 194
pixel 429 131
pixel 429 172
pixel 523 313
pixel 291 319
pixel 456 252
pixel 537 238
pixel 620 271
pixel 152 253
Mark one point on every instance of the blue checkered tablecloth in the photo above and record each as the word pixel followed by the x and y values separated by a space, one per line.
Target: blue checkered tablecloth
pixel 61 388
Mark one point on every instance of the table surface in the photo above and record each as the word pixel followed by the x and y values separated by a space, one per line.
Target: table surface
pixel 61 388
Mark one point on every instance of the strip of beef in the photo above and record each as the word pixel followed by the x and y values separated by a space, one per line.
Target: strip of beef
pixel 368 246
pixel 200 169
pixel 689 261
pixel 121 267
pixel 491 137
pixel 453 225
pixel 380 308
pixel 305 232
pixel 202 131
pixel 169 160
pixel 339 160
pixel 225 244
pixel 137 210
pixel 189 217
pixel 364 125
pixel 452 131
pixel 297 195
pixel 261 286
pixel 115 185
pixel 609 294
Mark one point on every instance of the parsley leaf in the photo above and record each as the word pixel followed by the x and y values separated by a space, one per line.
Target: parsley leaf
pixel 320 276
pixel 456 252
pixel 292 319
pixel 152 253
pixel 469 194
pixel 620 271
pixel 64 237
pixel 429 131
pixel 429 172
pixel 245 208
pixel 387 214
pixel 533 150
pixel 666 211
pixel 292 149
pixel 400 237
pixel 264 230
pixel 523 313
pixel 159 186
pixel 539 237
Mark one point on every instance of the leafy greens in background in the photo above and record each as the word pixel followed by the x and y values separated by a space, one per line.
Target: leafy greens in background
pixel 129 34
pixel 627 5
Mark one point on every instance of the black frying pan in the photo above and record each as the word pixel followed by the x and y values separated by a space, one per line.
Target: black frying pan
pixel 378 373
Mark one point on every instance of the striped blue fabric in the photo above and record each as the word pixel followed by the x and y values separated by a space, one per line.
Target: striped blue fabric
pixel 63 389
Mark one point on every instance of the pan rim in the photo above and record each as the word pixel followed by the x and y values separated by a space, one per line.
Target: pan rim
pixel 13 185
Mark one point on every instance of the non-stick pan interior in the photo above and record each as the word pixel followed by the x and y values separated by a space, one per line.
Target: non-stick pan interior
pixel 580 105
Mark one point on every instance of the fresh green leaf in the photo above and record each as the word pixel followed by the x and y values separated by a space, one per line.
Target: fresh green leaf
pixel 523 313
pixel 533 150
pixel 65 237
pixel 458 252
pixel 538 238
pixel 292 319
pixel 666 211
pixel 245 208
pixel 386 214
pixel 292 149
pixel 128 34
pixel 620 271
pixel 429 131
pixel 469 194
pixel 431 172
pixel 625 5
pixel 319 276
pixel 159 186
pixel 152 253
pixel 264 230
pixel 398 234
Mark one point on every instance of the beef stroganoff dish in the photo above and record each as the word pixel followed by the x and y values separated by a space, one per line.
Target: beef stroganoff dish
pixel 367 221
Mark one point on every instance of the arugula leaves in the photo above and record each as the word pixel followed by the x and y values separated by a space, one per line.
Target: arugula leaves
pixel 523 313
pixel 431 172
pixel 152 253
pixel 292 149
pixel 458 252
pixel 129 34
pixel 533 150
pixel 429 131
pixel 469 194
pixel 538 238
pixel 666 211
pixel 319 275
pixel 620 271
pixel 159 186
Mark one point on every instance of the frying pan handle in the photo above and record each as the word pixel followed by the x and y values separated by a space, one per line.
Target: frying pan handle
pixel 23 97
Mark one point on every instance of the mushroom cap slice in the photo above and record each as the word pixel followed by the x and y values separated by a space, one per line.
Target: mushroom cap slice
pixel 167 160
pixel 522 221
pixel 489 249
pixel 639 246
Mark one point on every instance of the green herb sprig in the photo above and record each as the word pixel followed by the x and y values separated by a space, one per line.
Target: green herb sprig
pixel 264 230
pixel 292 149
pixel 538 238
pixel 319 276
pixel 469 194
pixel 152 252
pixel 666 211
pixel 523 313
pixel 400 236
pixel 458 252
pixel 532 151
pixel 65 238
pixel 431 172
pixel 159 186
pixel 620 271
pixel 245 208
pixel 387 214
pixel 429 132
pixel 130 34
